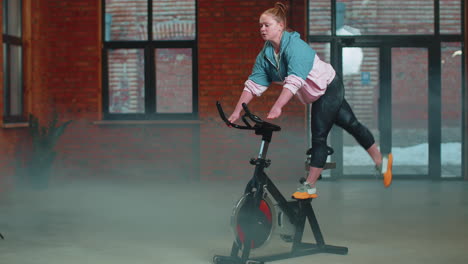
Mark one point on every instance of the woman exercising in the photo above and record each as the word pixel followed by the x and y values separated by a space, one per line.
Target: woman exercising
pixel 288 60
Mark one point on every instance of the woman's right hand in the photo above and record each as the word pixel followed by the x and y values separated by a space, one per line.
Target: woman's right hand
pixel 234 117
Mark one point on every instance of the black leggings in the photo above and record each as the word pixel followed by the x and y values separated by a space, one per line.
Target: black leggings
pixel 331 108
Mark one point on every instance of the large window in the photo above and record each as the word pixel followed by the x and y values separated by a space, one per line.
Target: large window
pixel 12 61
pixel 384 17
pixel 401 63
pixel 149 59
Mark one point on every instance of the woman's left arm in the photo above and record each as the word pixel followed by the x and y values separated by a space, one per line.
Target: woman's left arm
pixel 282 100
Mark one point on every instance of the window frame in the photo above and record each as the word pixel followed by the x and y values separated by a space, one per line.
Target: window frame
pixel 149 47
pixel 12 41
pixel 433 42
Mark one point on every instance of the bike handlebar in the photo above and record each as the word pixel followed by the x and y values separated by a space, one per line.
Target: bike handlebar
pixel 259 123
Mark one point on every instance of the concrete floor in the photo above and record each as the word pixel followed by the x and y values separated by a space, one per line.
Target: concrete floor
pixel 172 222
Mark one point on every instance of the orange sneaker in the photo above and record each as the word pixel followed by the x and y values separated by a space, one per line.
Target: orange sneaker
pixel 387 163
pixel 305 191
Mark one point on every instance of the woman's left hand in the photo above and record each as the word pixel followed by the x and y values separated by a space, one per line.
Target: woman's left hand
pixel 275 112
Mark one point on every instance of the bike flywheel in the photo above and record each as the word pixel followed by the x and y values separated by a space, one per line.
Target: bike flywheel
pixel 255 223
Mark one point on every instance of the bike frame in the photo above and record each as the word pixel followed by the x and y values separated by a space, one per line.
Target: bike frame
pixel 259 186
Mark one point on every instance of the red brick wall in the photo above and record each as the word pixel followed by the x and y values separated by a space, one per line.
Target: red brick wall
pixel 65 64
pixel 70 38
pixel 65 76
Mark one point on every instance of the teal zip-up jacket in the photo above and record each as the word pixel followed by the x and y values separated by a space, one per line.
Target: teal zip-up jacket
pixel 296 57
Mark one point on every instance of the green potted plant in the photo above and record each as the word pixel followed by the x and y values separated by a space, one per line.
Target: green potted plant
pixel 41 154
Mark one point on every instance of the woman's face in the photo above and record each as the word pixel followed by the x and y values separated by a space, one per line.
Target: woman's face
pixel 270 29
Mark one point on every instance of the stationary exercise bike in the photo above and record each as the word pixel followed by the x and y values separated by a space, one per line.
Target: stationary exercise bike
pixel 256 218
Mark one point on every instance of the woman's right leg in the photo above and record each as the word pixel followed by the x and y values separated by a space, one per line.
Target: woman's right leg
pixel 348 121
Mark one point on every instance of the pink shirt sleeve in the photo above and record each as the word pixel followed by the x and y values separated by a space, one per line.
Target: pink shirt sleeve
pixel 315 85
pixel 254 88
pixel 308 90
pixel 293 83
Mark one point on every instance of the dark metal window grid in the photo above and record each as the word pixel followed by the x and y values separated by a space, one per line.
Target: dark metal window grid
pixel 8 42
pixel 385 43
pixel 149 46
